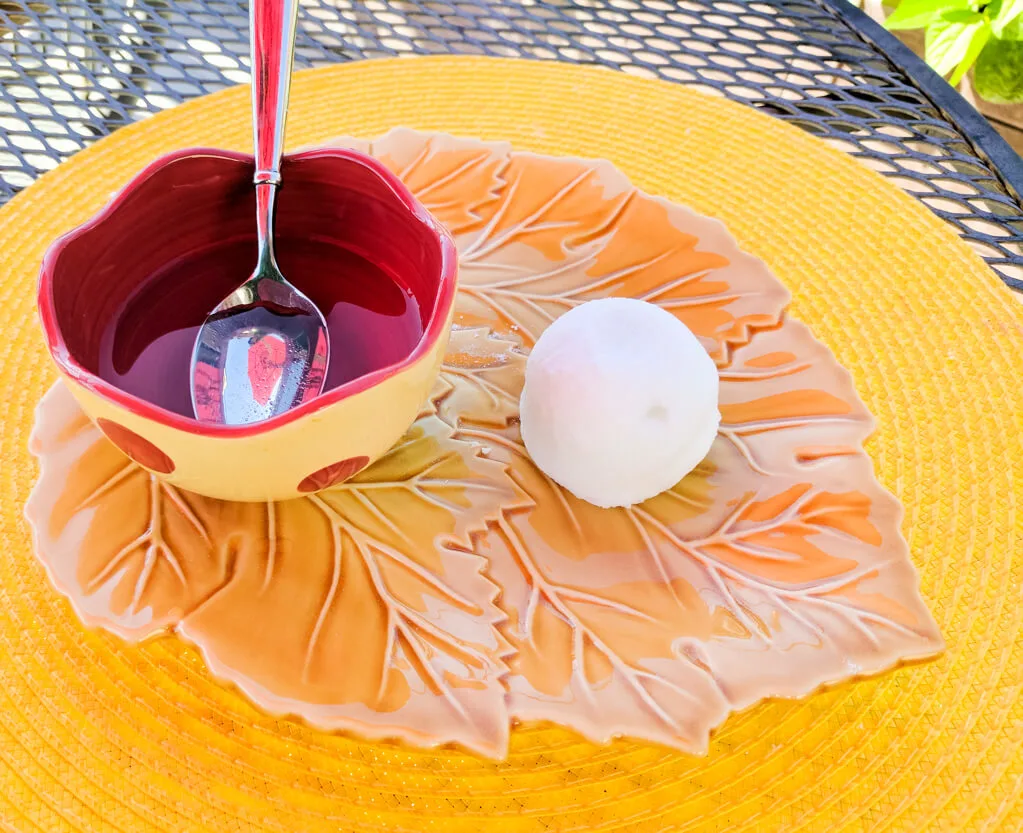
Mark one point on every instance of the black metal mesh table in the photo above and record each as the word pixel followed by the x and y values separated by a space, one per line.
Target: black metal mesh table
pixel 72 71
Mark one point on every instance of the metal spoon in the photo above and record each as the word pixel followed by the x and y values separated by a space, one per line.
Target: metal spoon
pixel 265 348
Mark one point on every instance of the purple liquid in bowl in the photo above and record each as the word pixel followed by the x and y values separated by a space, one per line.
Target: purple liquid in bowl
pixel 146 349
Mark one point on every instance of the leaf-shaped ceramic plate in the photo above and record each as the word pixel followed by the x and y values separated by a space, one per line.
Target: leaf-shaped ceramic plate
pixel 776 567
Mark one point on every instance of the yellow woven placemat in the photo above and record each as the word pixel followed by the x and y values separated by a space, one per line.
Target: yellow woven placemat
pixel 97 736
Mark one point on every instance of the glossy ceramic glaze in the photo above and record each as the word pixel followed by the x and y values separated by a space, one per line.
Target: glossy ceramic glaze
pixel 452 587
pixel 198 204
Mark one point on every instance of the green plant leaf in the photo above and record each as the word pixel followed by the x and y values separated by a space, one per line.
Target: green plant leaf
pixel 948 39
pixel 998 77
pixel 1014 31
pixel 917 14
pixel 978 40
pixel 1009 12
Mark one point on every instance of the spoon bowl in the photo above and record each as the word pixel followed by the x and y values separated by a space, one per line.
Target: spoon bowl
pixel 260 353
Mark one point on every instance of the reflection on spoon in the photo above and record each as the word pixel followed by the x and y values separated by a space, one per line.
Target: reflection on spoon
pixel 257 361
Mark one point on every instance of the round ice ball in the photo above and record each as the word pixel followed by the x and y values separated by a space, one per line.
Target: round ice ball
pixel 620 401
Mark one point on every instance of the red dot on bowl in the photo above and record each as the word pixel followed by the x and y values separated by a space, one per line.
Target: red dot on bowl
pixel 141 450
pixel 333 474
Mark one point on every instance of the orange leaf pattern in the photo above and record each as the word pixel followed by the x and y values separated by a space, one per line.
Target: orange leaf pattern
pixel 775 567
pixel 538 236
pixel 734 586
pixel 357 607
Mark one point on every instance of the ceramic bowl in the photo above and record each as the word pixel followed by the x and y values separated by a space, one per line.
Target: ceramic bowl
pixel 175 241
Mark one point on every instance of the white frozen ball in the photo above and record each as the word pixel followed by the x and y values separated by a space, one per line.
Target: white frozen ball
pixel 620 401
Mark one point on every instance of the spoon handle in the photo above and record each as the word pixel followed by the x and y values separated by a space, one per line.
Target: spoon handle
pixel 272 31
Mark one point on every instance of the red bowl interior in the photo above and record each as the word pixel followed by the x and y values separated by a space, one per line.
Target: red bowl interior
pixel 181 236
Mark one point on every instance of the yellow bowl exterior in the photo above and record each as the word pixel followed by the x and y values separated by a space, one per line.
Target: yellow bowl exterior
pixel 270 465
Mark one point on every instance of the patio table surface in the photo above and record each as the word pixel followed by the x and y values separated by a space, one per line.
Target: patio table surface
pixel 72 71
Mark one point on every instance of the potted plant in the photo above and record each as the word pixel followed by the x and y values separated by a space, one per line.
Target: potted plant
pixel 964 35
